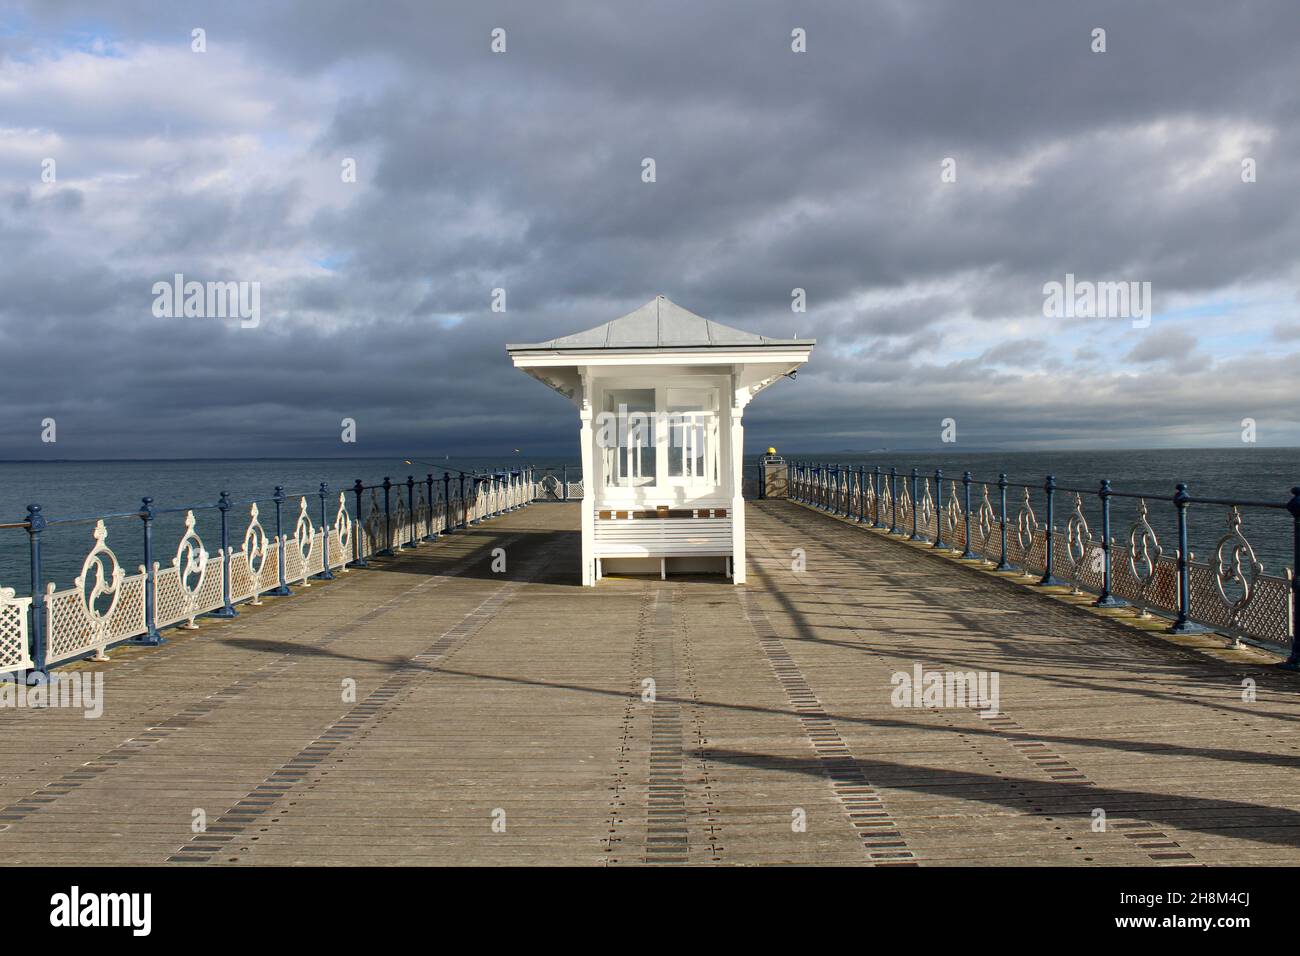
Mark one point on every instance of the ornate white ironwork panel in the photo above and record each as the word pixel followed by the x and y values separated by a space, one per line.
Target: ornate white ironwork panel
pixel 15 649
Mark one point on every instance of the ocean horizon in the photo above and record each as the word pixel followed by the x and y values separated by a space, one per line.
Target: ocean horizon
pixel 89 488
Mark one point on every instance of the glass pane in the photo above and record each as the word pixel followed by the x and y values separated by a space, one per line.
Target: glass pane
pixel 691 425
pixel 634 454
pixel 675 450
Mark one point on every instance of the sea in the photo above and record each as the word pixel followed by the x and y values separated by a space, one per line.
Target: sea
pixel 74 494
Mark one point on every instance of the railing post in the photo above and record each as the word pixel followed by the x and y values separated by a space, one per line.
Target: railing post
pixel 360 562
pixel 967 554
pixel 388 518
pixel 431 533
pixel 410 505
pixel 862 494
pixel 564 482
pixel 446 502
pixel 1184 624
pixel 464 514
pixel 916 480
pixel 1106 599
pixel 326 574
pixel 893 500
pixel 1293 506
pixel 1002 494
pixel 938 509
pixel 36 523
pixel 150 637
pixel 876 485
pixel 1049 579
pixel 283 589
pixel 227 609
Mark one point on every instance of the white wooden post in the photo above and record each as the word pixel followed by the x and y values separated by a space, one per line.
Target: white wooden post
pixel 737 489
pixel 587 440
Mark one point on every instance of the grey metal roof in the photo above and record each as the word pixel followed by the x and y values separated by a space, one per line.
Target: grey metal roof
pixel 659 324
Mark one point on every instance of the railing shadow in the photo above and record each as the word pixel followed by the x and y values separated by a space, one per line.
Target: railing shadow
pixel 1279 826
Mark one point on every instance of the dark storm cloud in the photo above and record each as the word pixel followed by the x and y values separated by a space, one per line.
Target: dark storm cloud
pixel 521 171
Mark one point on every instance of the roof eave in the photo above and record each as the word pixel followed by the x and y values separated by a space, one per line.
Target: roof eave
pixel 543 348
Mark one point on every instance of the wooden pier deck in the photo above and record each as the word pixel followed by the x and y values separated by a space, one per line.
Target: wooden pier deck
pixel 499 719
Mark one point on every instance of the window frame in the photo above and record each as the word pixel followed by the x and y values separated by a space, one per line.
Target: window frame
pixel 712 484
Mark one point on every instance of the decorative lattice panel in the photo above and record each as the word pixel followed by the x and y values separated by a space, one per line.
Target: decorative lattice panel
pixel 1265 614
pixel 293 563
pixel 269 576
pixel 242 584
pixel 15 653
pixel 316 557
pixel 208 596
pixel 171 604
pixel 72 629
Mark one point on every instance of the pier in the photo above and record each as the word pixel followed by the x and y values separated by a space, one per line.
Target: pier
pixel 465 701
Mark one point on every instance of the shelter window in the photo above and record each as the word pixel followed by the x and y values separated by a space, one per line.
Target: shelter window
pixel 692 422
pixel 630 458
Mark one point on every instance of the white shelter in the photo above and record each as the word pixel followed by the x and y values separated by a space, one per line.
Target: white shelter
pixel 660 395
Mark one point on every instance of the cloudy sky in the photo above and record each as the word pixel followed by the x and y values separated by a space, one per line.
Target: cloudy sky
pixel 522 170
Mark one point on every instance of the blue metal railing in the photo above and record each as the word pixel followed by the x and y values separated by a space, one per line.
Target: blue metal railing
pixel 1230 593
pixel 489 494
